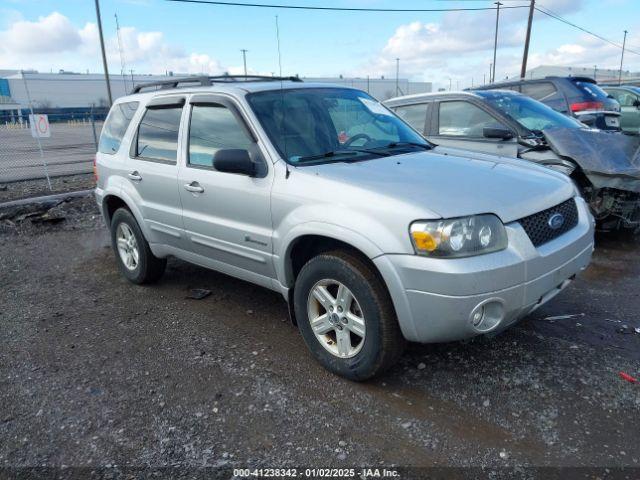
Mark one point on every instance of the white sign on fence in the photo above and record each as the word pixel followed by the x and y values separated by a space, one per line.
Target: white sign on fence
pixel 39 126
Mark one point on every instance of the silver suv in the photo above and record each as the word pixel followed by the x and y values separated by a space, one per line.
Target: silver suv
pixel 372 235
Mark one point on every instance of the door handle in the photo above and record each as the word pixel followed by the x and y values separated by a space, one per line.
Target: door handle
pixel 135 176
pixel 193 187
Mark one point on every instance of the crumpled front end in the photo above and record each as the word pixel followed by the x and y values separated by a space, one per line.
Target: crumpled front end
pixel 609 160
pixel 610 163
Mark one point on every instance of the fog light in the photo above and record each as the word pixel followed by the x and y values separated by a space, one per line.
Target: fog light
pixel 487 315
pixel 477 316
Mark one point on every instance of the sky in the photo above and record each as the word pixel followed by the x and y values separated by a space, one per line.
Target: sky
pixel 159 36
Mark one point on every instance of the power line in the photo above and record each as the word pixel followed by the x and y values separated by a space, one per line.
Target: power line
pixel 551 14
pixel 343 9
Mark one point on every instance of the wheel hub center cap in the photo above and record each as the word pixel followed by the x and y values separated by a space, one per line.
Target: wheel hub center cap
pixel 334 319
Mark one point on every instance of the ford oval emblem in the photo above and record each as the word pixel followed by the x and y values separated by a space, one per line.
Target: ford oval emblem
pixel 556 221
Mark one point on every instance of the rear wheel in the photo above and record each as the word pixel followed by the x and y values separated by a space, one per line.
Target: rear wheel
pixel 133 254
pixel 346 316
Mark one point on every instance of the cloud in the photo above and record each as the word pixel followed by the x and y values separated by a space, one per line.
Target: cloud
pixel 53 33
pixel 460 47
pixel 54 42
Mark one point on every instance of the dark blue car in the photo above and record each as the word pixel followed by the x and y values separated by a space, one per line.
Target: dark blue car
pixel 580 97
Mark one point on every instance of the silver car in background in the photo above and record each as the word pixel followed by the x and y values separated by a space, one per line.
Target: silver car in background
pixel 604 165
pixel 321 193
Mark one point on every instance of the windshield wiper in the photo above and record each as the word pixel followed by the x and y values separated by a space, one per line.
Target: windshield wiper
pixel 426 146
pixel 338 153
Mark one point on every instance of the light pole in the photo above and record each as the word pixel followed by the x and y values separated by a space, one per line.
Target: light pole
pixel 523 70
pixel 595 72
pixel 104 56
pixel 244 60
pixel 624 44
pixel 495 42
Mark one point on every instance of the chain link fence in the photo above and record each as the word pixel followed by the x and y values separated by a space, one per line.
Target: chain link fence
pixel 69 149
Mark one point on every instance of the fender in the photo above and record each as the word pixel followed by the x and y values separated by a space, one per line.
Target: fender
pixel 336 232
pixel 133 207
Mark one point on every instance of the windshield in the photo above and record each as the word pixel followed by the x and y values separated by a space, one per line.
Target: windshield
pixel 331 124
pixel 529 113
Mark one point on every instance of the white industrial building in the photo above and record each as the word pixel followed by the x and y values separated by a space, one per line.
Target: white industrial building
pixel 601 75
pixel 76 91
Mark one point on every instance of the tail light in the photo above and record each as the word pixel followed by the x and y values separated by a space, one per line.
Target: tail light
pixel 95 170
pixel 582 106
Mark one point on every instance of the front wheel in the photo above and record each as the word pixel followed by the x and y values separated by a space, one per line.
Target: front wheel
pixel 346 316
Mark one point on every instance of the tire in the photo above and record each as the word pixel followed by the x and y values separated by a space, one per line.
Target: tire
pixel 361 357
pixel 148 268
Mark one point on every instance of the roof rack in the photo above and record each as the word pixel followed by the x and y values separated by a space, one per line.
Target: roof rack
pixel 207 81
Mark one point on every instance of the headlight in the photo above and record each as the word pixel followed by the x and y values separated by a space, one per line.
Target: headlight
pixel 459 237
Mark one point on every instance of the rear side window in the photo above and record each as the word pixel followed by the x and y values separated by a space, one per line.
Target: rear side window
pixel 214 127
pixel 538 91
pixel 414 115
pixel 158 134
pixel 625 99
pixel 115 127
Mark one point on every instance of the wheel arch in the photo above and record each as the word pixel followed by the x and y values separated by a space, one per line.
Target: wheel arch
pixel 112 201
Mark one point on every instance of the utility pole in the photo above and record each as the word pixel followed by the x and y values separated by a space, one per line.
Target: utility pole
pixel 397 76
pixel 104 55
pixel 523 71
pixel 490 72
pixel 244 59
pixel 624 44
pixel 595 72
pixel 495 42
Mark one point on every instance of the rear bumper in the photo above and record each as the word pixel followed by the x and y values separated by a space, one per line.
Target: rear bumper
pixel 437 300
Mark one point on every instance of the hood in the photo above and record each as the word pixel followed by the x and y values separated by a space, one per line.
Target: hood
pixel 609 159
pixel 450 183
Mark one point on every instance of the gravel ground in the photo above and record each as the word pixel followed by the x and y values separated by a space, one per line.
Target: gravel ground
pixel 34 188
pixel 96 372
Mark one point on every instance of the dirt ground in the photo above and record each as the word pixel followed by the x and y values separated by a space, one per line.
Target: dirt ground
pixel 98 373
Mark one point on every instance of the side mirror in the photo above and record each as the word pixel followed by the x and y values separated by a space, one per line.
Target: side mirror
pixel 636 103
pixel 233 160
pixel 498 131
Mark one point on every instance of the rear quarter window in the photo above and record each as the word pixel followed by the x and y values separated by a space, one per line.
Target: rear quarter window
pixel 539 91
pixel 116 126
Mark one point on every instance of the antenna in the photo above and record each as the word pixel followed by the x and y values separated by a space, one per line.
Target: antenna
pixel 278 39
pixel 284 136
pixel 122 64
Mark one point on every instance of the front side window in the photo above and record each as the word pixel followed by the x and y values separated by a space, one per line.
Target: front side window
pixel 414 115
pixel 116 126
pixel 463 119
pixel 331 124
pixel 214 127
pixel 158 134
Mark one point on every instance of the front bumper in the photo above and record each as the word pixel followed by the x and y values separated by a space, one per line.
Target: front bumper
pixel 437 300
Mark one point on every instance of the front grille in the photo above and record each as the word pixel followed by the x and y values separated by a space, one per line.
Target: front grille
pixel 537 225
